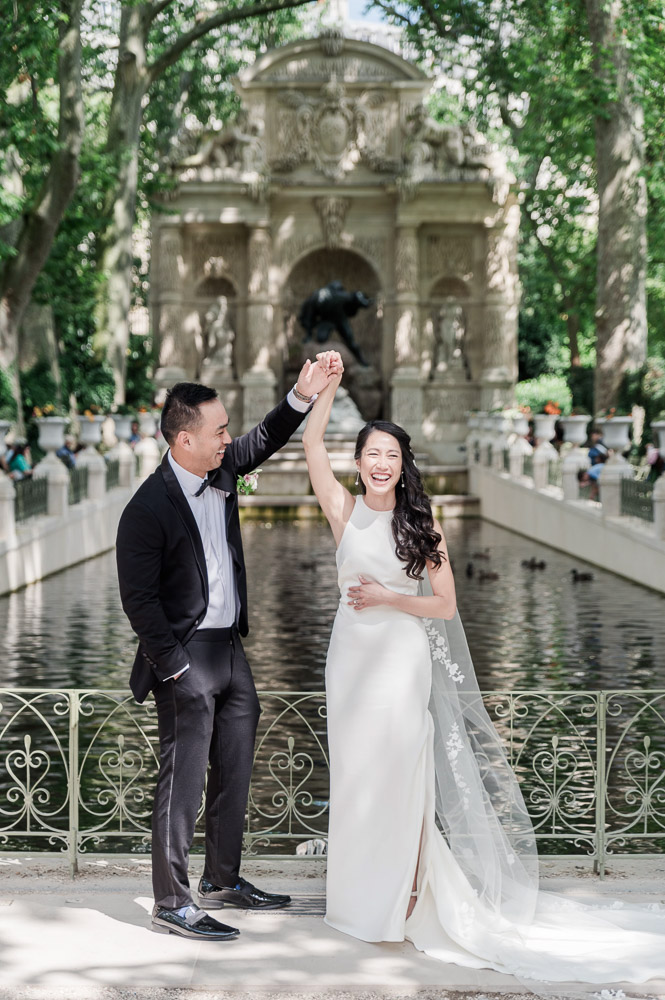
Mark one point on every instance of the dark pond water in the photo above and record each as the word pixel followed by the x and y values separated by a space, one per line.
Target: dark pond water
pixel 529 629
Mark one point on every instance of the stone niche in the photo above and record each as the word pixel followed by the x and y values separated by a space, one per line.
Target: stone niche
pixel 334 171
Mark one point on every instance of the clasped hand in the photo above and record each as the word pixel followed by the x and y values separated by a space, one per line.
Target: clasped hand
pixel 368 594
pixel 314 377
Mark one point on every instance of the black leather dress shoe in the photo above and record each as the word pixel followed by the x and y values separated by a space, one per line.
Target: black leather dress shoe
pixel 245 895
pixel 195 924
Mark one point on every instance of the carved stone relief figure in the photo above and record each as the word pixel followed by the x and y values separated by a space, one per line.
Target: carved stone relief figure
pixel 429 146
pixel 171 347
pixel 238 147
pixel 218 335
pixel 448 358
pixel 431 151
pixel 332 213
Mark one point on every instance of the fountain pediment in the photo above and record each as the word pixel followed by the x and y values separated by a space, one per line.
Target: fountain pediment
pixel 321 109
pixel 330 56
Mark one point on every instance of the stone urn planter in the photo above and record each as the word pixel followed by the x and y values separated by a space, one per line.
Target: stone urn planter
pixel 574 428
pixel 521 425
pixel 502 424
pixel 123 425
pixel 147 423
pixel 544 426
pixel 658 427
pixel 51 433
pixel 90 433
pixel 615 432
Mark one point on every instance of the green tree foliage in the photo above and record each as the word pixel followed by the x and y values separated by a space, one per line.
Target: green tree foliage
pixel 154 38
pixel 193 89
pixel 43 38
pixel 525 72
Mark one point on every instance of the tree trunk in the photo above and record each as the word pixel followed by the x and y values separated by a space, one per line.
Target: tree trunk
pixel 572 329
pixel 130 87
pixel 132 83
pixel 41 222
pixel 621 322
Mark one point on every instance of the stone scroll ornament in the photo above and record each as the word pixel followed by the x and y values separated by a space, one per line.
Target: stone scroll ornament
pixel 330 308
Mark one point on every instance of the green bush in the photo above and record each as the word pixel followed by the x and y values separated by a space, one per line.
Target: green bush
pixel 645 387
pixel 7 401
pixel 537 392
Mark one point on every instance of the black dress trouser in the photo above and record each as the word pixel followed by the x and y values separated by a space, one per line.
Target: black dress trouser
pixel 209 715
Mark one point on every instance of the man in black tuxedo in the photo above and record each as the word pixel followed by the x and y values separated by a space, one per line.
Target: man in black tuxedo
pixel 182 583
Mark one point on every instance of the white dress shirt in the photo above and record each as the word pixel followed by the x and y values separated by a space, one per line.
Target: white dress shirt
pixel 208 510
pixel 209 513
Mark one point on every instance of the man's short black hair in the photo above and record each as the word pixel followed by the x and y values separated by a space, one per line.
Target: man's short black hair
pixel 181 409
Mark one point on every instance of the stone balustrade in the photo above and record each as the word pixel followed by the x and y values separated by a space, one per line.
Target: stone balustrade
pixel 536 492
pixel 76 525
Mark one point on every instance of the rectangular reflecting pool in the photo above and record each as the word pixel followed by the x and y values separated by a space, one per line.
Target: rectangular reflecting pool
pixel 531 628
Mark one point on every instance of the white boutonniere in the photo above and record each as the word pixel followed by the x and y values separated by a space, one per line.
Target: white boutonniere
pixel 248 483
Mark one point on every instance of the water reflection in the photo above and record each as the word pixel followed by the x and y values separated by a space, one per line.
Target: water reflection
pixel 529 629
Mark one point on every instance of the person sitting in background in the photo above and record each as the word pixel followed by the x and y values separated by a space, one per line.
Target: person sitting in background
pixel 135 436
pixel 656 462
pixel 589 477
pixel 19 463
pixel 597 450
pixel 67 454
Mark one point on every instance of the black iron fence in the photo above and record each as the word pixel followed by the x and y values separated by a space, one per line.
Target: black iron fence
pixel 78 485
pixel 31 498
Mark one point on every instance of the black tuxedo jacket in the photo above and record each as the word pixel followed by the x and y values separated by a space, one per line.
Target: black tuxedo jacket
pixel 161 566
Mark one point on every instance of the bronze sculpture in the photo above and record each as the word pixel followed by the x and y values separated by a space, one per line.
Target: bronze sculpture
pixel 330 308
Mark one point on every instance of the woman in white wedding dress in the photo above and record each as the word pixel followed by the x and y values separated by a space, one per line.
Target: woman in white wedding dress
pixel 429 837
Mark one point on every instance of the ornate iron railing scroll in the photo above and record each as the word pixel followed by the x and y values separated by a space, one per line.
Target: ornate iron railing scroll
pixel 35 769
pixel 288 801
pixel 634 782
pixel 77 770
pixel 551 740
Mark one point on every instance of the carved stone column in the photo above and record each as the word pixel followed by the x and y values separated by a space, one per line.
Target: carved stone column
pixel 407 401
pixel 499 321
pixel 168 321
pixel 258 381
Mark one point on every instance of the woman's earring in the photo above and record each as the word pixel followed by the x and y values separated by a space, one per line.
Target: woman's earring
pixel 402 482
pixel 358 477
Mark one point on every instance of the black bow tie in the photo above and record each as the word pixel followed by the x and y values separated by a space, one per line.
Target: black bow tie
pixel 202 488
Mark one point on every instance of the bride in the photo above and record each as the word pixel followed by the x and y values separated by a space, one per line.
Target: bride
pixel 429 837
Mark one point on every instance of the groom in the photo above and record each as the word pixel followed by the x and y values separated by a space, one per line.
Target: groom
pixel 182 583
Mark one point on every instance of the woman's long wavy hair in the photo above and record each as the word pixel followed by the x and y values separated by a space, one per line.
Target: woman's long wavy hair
pixel 416 541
